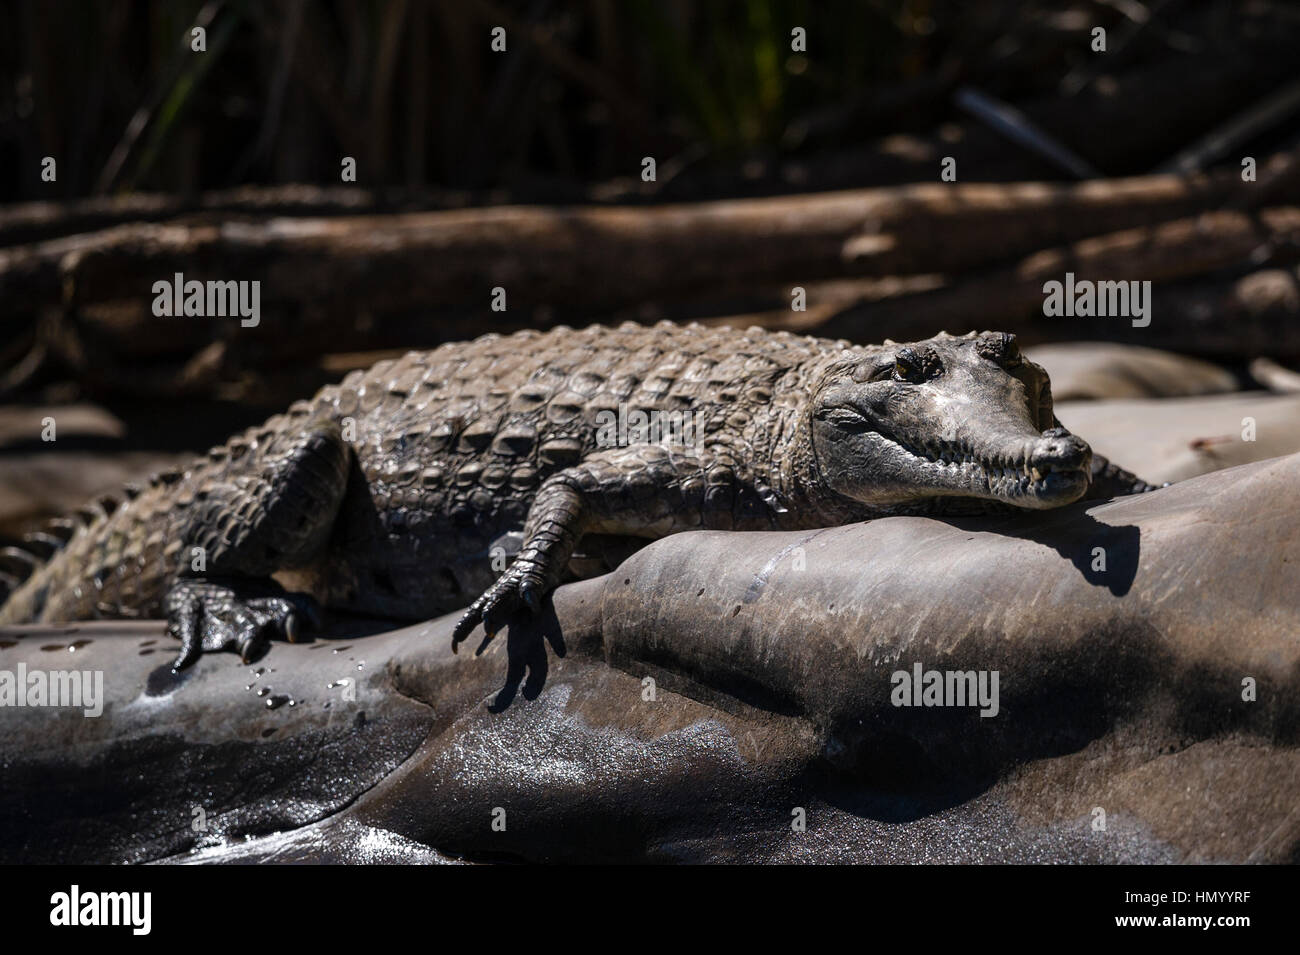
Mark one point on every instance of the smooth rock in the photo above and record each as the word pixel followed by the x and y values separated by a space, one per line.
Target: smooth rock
pixel 1172 439
pixel 1085 371
pixel 771 658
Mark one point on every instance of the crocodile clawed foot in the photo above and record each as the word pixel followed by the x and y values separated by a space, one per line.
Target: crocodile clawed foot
pixel 522 585
pixel 210 615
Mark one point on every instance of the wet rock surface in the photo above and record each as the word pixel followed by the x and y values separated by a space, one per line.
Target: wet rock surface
pixel 716 690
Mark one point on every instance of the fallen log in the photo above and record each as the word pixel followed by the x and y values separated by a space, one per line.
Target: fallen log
pixel 1230 318
pixel 30 222
pixel 606 256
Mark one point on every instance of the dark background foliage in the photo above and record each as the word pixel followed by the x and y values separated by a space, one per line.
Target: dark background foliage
pixel 711 89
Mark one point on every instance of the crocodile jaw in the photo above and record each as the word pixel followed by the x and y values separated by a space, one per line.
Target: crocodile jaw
pixel 1016 474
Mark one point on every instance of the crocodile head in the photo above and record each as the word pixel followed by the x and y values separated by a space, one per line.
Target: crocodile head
pixel 948 417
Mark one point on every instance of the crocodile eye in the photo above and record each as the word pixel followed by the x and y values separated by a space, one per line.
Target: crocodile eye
pixel 907 365
pixel 1001 348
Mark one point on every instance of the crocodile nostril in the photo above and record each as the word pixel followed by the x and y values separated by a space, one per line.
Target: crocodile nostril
pixel 1059 450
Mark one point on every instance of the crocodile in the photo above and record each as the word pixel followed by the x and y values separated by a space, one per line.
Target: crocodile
pixel 405 490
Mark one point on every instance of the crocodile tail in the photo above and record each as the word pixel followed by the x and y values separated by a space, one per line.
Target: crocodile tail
pixel 20 562
pixel 1111 480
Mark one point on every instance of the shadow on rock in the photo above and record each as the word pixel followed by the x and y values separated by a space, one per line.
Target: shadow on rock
pixel 1106 555
pixel 526 638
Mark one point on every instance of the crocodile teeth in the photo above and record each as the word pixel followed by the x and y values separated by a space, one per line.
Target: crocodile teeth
pixel 1036 474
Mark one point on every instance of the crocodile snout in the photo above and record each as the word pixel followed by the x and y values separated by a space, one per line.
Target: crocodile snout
pixel 1058 450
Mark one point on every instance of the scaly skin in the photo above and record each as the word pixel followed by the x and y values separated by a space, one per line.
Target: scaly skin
pixel 385 494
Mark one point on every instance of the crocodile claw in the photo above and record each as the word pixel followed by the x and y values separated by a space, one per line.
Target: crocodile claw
pixel 210 615
pixel 530 596
pixel 520 586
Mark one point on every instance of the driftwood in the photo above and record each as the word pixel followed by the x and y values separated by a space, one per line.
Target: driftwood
pixel 604 257
pixel 900 262
pixel 1275 377
pixel 1230 318
pixel 30 222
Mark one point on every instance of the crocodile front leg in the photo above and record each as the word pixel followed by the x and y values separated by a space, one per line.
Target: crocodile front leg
pixel 637 491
